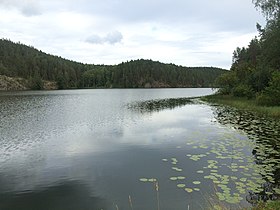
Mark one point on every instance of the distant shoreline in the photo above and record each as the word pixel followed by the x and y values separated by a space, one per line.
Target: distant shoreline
pixel 21 84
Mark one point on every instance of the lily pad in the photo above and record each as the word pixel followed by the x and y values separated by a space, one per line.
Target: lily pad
pixel 189 190
pixel 181 185
pixel 181 177
pixel 243 179
pixel 196 182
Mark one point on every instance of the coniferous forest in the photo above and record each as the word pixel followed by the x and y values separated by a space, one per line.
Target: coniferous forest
pixel 19 60
pixel 255 71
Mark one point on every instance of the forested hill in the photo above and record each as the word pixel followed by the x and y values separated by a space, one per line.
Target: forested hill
pixel 148 73
pixel 19 60
pixel 255 71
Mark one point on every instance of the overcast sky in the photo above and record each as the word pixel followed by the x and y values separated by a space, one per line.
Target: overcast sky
pixel 184 32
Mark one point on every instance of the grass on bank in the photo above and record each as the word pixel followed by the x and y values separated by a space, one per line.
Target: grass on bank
pixel 270 205
pixel 244 103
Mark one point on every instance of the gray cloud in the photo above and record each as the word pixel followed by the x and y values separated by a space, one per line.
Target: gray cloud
pixel 110 38
pixel 30 10
pixel 26 7
pixel 229 14
pixel 184 32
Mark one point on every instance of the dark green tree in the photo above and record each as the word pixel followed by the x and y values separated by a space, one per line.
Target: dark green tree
pixel 36 83
pixel 270 8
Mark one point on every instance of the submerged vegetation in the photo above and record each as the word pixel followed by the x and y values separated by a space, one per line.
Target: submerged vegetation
pixel 160 104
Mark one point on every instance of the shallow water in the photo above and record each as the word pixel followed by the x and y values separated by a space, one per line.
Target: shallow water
pixel 93 149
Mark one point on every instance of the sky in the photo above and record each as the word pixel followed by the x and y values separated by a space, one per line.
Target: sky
pixel 183 32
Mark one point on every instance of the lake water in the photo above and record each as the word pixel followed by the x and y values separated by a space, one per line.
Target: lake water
pixel 133 149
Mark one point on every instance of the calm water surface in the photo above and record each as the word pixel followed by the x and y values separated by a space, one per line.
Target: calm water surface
pixel 93 149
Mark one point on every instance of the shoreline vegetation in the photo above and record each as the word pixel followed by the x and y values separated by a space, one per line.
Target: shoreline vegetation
pixel 244 104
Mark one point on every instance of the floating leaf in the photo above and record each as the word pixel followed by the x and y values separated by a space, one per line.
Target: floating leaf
pixel 173 178
pixel 181 185
pixel 181 177
pixel 243 179
pixel 143 179
pixel 200 172
pixel 196 182
pixel 189 190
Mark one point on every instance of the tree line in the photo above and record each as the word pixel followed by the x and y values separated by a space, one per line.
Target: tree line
pixel 19 60
pixel 147 73
pixel 255 70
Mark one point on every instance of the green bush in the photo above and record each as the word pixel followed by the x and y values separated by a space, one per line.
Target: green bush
pixel 226 82
pixel 271 95
pixel 243 91
pixel 36 83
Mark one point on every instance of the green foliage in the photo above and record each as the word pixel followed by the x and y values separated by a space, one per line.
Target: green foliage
pixel 148 73
pixel 270 205
pixel 253 68
pixel 36 83
pixel 227 82
pixel 271 95
pixel 22 61
pixel 243 90
pixel 3 69
pixel 270 39
pixel 270 8
pixel 18 60
pixel 273 205
pixel 61 81
pixel 245 104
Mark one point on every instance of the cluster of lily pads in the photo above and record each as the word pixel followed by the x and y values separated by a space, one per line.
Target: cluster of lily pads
pixel 230 165
pixel 241 160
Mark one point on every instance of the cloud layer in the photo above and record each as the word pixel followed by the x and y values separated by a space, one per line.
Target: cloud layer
pixel 190 33
pixel 27 7
pixel 111 38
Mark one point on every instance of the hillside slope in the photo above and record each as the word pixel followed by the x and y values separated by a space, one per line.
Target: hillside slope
pixel 19 60
pixel 13 83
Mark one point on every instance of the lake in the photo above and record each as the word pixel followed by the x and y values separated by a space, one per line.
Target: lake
pixel 133 149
